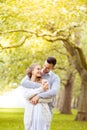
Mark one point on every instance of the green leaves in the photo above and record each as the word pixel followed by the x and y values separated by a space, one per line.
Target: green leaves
pixel 25 18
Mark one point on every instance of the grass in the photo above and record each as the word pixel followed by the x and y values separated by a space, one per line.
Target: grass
pixel 67 122
pixel 12 119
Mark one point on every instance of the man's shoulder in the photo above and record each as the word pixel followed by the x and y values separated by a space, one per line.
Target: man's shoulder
pixel 26 78
pixel 54 74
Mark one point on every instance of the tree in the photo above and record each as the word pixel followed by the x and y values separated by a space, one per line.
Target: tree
pixel 79 62
pixel 56 24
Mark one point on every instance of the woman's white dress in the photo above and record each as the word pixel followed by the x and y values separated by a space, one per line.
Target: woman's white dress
pixel 36 117
pixel 38 121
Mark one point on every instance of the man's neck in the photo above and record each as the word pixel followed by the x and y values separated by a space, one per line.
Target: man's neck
pixel 44 73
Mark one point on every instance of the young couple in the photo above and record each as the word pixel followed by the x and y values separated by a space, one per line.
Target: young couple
pixel 40 86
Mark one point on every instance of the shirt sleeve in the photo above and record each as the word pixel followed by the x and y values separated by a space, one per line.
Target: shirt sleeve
pixel 45 100
pixel 53 90
pixel 27 83
pixel 29 93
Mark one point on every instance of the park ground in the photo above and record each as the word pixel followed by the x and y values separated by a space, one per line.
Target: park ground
pixel 12 119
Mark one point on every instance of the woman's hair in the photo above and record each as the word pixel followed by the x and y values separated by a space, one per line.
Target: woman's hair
pixel 30 69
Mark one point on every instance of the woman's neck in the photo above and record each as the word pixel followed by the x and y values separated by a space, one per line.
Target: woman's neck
pixel 33 78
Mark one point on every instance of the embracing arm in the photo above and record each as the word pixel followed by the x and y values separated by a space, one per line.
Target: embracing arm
pixel 29 93
pixel 54 89
pixel 27 83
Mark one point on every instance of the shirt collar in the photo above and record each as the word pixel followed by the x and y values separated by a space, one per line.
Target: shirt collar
pixel 46 73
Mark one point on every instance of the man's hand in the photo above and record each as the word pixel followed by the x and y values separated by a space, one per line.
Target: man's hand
pixel 34 100
pixel 45 84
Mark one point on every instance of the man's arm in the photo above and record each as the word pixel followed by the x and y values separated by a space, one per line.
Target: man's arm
pixel 29 93
pixel 27 83
pixel 45 100
pixel 54 89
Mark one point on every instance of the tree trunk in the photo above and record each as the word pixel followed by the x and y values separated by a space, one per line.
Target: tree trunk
pixel 66 106
pixel 64 100
pixel 82 106
pixel 80 64
pixel 75 102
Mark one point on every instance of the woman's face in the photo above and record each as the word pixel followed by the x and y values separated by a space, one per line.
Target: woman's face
pixel 37 71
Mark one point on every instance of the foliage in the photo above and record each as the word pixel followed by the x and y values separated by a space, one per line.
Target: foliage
pixel 24 16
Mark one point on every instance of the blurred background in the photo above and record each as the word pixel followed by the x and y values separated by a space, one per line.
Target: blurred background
pixel 32 30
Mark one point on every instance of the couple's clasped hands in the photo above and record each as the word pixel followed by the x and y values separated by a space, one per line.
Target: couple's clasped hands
pixel 45 86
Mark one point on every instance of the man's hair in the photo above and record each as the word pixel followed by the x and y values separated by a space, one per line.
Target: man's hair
pixel 51 60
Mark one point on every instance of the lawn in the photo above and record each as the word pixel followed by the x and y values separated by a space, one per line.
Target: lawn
pixel 12 119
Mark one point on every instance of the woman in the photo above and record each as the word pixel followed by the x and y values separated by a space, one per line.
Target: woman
pixel 36 117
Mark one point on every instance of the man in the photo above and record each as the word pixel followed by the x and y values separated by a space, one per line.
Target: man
pixel 52 78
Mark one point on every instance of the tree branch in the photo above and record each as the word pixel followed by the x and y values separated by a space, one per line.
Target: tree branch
pixel 22 41
pixel 61 68
pixel 13 31
pixel 60 52
pixel 1 61
pixel 82 57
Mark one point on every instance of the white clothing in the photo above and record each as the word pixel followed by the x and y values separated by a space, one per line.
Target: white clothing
pixel 36 117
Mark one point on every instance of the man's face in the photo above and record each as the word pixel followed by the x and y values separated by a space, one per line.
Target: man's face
pixel 47 67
